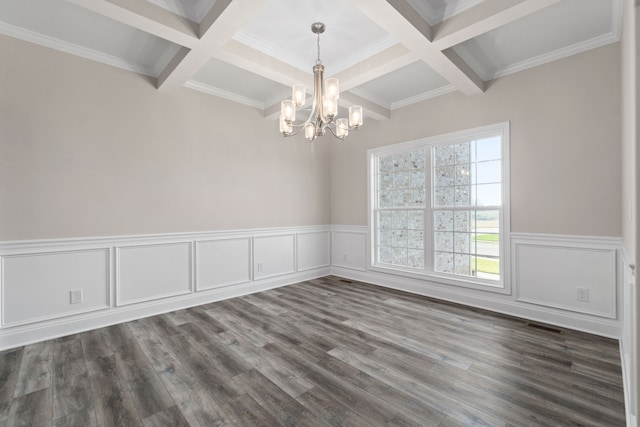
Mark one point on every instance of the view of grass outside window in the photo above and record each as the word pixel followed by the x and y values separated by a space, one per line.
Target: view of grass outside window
pixel 437 207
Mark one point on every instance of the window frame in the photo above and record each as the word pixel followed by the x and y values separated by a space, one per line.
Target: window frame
pixel 498 286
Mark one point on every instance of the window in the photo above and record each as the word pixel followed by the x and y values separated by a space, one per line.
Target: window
pixel 438 206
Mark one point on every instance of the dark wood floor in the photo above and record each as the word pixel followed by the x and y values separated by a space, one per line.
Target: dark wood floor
pixel 322 352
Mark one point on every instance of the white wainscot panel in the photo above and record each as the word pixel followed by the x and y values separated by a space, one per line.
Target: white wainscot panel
pixel 37 286
pixel 348 250
pixel 273 256
pixel 148 272
pixel 552 275
pixel 222 262
pixel 313 250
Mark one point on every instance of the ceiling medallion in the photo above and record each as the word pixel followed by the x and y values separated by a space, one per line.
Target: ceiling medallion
pixel 324 108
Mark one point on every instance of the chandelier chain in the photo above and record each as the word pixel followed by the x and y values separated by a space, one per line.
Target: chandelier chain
pixel 318 61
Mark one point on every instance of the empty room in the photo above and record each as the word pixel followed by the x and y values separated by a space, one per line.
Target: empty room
pixel 319 212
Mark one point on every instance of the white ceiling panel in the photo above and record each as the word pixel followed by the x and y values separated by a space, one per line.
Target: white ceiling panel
pixel 387 54
pixel 563 29
pixel 62 25
pixel 283 30
pixel 417 79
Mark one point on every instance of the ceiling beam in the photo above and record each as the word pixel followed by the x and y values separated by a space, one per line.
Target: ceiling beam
pixel 216 28
pixel 393 16
pixel 257 62
pixel 146 17
pixel 486 16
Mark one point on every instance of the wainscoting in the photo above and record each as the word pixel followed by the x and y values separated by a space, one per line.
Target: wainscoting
pixel 546 294
pixel 129 277
pixel 628 339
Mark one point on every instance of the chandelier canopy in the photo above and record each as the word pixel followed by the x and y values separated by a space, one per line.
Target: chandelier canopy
pixel 324 106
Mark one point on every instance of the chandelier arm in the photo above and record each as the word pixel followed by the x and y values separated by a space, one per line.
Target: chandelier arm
pixel 332 132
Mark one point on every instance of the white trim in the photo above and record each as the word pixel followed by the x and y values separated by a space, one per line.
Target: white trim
pixel 433 286
pixel 501 286
pixel 28 334
pixel 106 305
pixel 423 97
pixel 328 233
pixel 119 311
pixel 120 302
pixel 563 52
pixel 198 287
pixel 74 49
pixel 225 94
pixel 486 300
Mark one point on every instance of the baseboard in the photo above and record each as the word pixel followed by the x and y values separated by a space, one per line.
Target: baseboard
pixel 28 334
pixel 124 278
pixel 488 301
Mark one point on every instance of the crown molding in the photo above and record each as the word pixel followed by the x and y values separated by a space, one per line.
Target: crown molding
pixel 555 55
pixel 212 90
pixel 423 96
pixel 73 49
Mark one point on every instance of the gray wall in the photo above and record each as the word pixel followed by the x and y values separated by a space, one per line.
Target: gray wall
pixel 565 144
pixel 91 150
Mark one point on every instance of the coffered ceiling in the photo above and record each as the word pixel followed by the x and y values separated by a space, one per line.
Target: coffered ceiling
pixel 386 53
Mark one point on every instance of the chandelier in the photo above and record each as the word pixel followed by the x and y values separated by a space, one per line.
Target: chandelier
pixel 324 107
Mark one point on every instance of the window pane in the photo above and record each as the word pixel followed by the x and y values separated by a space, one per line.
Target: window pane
pixel 487 268
pixel 463 264
pixel 462 243
pixel 462 153
pixel 399 238
pixel 443 196
pixel 445 155
pixel 444 262
pixel 443 241
pixel 444 176
pixel 385 237
pixel 416 239
pixel 463 220
pixel 488 221
pixel 384 219
pixel 416 258
pixel 385 254
pixel 416 159
pixel 487 244
pixel 488 172
pixel 443 220
pixel 401 179
pixel 417 179
pixel 489 195
pixel 488 149
pixel 399 220
pixel 415 220
pixel 463 195
pixel 400 256
pixel 463 174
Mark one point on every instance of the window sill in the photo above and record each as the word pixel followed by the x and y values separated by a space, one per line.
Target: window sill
pixel 499 287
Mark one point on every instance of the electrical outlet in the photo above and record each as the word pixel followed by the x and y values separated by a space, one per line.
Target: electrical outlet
pixel 583 294
pixel 76 296
pixel 344 258
pixel 259 267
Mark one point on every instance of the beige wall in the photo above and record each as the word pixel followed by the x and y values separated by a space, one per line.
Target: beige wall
pixel 91 150
pixel 565 144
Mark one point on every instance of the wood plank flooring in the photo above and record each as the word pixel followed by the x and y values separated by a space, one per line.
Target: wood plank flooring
pixel 318 353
